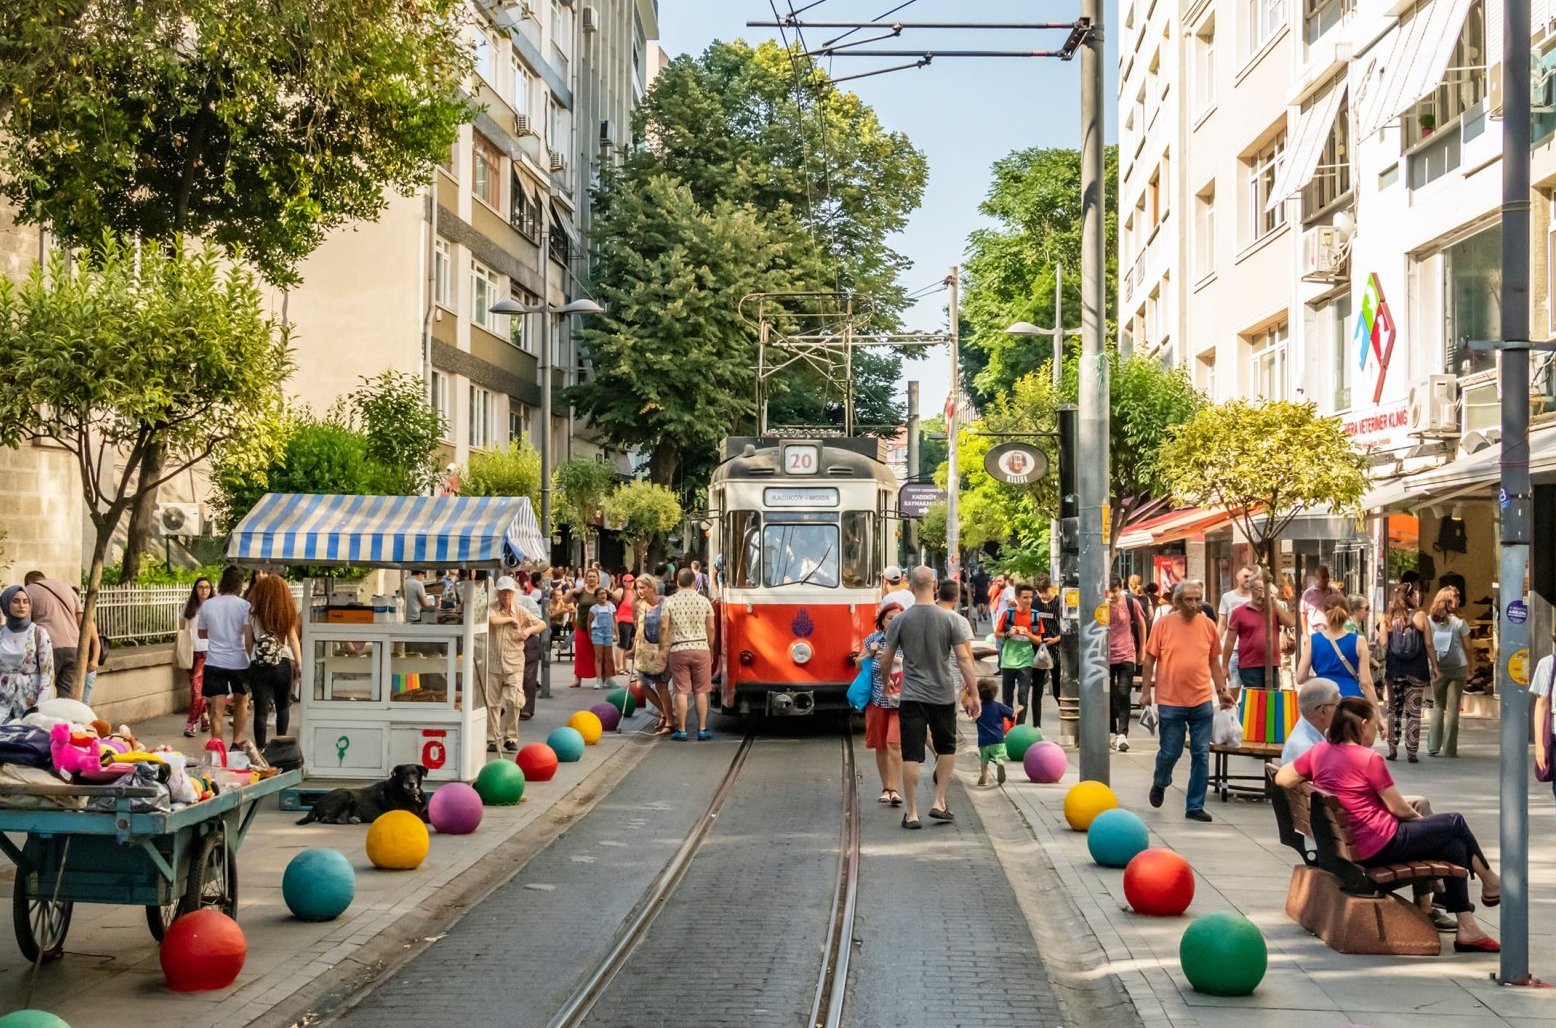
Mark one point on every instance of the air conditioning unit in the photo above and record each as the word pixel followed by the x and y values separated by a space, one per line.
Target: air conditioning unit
pixel 590 19
pixel 179 520
pixel 1323 255
pixel 1433 407
pixel 522 125
pixel 558 161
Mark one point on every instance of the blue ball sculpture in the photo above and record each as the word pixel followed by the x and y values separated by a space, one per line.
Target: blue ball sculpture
pixel 1223 954
pixel 318 885
pixel 1116 836
pixel 32 1019
pixel 567 743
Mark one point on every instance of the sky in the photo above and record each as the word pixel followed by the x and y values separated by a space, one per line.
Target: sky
pixel 964 113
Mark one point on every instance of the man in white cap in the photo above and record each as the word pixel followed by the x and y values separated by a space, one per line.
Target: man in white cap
pixel 509 627
pixel 894 589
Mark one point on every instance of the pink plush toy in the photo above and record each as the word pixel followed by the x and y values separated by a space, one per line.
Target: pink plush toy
pixel 80 753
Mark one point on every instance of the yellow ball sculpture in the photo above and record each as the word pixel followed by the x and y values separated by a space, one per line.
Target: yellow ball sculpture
pixel 398 841
pixel 1085 801
pixel 587 724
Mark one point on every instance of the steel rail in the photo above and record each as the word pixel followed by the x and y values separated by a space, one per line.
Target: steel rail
pixel 832 988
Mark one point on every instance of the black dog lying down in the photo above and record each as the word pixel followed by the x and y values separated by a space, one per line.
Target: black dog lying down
pixel 400 791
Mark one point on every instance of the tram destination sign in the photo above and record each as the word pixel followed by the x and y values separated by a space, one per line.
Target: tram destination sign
pixel 1016 463
pixel 914 499
pixel 799 496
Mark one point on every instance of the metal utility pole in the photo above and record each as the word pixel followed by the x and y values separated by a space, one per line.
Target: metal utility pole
pixel 1512 675
pixel 909 528
pixel 1092 480
pixel 953 405
pixel 1054 574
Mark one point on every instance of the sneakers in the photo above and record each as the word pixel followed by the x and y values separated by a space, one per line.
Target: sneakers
pixel 1199 815
pixel 511 746
pixel 1123 744
pixel 1158 794
pixel 1112 742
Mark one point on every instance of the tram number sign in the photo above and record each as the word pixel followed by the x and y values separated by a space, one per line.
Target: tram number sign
pixel 1016 463
pixel 801 460
pixel 914 499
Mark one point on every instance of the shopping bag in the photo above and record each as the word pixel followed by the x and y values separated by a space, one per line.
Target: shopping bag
pixel 1267 715
pixel 1149 719
pixel 863 684
pixel 1042 660
pixel 1226 727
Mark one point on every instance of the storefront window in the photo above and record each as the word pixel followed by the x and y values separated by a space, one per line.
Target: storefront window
pixel 1472 284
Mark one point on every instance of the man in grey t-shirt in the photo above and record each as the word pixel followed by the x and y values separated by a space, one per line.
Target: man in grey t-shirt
pixel 416 598
pixel 928 636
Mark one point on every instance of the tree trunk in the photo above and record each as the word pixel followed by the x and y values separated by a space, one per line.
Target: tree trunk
pixel 94 584
pixel 663 463
pixel 138 534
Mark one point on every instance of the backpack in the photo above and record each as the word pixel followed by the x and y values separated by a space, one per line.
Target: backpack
pixel 1405 642
pixel 268 650
pixel 1442 636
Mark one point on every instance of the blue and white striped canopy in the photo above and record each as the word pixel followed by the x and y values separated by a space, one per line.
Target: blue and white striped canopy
pixel 388 531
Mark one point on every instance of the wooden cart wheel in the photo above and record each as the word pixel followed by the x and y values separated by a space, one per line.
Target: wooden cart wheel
pixel 41 925
pixel 213 877
pixel 159 918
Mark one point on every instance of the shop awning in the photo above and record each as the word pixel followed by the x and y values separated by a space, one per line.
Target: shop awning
pixel 1475 473
pixel 1171 527
pixel 1399 76
pixel 1305 141
pixel 387 531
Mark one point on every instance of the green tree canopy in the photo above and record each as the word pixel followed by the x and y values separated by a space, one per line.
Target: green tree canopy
pixel 645 511
pixel 1265 462
pixel 402 428
pixel 580 488
pixel 514 471
pixel 1009 272
pixel 136 346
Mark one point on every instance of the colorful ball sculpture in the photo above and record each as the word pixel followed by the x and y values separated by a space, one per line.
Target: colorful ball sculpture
pixel 1116 837
pixel 1085 801
pixel 1159 883
pixel 610 717
pixel 398 841
pixel 498 784
pixel 455 808
pixel 1045 762
pixel 318 884
pixel 32 1019
pixel 622 700
pixel 639 693
pixel 567 743
pixel 587 724
pixel 538 762
pixel 1020 739
pixel 203 950
pixel 1223 954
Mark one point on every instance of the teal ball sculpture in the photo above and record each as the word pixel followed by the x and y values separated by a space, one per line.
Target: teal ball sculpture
pixel 1020 739
pixel 32 1019
pixel 1223 954
pixel 318 885
pixel 567 744
pixel 1116 836
pixel 498 784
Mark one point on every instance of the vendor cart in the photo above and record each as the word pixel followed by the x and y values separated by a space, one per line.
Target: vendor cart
pixel 169 863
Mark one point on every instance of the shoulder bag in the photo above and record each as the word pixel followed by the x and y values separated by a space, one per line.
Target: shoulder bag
pixel 1341 654
pixel 649 656
pixel 183 647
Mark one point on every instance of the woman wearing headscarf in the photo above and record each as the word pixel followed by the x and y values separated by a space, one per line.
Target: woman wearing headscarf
pixel 26 656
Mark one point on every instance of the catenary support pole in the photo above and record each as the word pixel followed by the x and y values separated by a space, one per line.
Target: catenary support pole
pixel 1056 369
pixel 910 528
pixel 543 367
pixel 953 405
pixel 1092 480
pixel 1514 499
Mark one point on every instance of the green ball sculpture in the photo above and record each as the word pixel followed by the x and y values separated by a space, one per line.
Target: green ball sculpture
pixel 500 784
pixel 1223 954
pixel 1020 739
pixel 622 700
pixel 32 1019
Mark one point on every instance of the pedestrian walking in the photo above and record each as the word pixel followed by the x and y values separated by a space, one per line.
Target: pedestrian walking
pixel 980 593
pixel 535 645
pixel 1183 674
pixel 882 727
pixel 624 595
pixel 1247 640
pixel 893 590
pixel 190 656
pixel 1050 610
pixel 688 620
pixel 1126 644
pixel 1455 662
pixel 1310 611
pixel 927 636
pixel 224 624
pixel 277 661
pixel 1408 665
pixel 1020 631
pixel 702 584
pixel 651 651
pixel 602 636
pixel 92 643
pixel 583 600
pixel 1540 687
pixel 1339 656
pixel 1230 601
pixel 991 732
pixel 509 627
pixel 26 656
pixel 56 611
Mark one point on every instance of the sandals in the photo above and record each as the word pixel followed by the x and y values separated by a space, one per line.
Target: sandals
pixel 896 797
pixel 914 824
pixel 1491 899
pixel 885 796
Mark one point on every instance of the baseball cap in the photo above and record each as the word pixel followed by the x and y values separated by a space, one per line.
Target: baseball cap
pixel 506 583
pixel 892 573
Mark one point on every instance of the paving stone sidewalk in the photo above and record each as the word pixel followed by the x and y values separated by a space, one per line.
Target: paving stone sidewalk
pixel 1241 865
pixel 110 973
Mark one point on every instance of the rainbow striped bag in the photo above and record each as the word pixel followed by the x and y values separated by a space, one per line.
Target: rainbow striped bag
pixel 1268 715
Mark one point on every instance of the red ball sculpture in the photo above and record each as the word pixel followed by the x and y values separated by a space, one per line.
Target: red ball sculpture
pixel 537 761
pixel 203 950
pixel 639 693
pixel 1159 883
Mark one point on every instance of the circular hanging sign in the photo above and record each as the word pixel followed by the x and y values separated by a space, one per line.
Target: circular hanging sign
pixel 1016 463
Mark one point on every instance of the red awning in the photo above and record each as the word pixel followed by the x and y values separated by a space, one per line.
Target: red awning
pixel 1171 527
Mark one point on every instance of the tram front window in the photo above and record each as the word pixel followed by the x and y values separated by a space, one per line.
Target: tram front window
pixel 800 554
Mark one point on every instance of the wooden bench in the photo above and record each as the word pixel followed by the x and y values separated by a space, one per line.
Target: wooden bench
pixel 1221 778
pixel 1352 908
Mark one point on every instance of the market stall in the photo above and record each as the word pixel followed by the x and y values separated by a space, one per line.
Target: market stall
pixel 377 691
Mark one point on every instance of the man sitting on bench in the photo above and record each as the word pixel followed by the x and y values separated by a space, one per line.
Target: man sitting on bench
pixel 1387 829
pixel 1316 699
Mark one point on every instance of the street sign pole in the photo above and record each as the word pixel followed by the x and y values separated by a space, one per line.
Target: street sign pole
pixel 953 541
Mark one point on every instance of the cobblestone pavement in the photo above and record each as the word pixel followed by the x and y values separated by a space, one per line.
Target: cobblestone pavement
pixel 940 938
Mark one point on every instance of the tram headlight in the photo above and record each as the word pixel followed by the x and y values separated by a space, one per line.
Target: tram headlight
pixel 800 652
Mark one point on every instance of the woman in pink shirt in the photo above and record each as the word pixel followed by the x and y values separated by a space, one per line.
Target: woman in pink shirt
pixel 1388 830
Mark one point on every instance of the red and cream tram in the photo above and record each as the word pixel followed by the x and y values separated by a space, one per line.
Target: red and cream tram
pixel 803 527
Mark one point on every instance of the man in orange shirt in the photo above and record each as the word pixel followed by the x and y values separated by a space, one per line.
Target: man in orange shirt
pixel 1182 673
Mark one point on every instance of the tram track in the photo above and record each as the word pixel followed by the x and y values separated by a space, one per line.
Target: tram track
pixel 832 989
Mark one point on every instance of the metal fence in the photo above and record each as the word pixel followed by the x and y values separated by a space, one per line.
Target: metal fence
pixel 146 614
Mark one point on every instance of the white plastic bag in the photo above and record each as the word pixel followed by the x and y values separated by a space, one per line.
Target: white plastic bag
pixel 1226 729
pixel 1149 719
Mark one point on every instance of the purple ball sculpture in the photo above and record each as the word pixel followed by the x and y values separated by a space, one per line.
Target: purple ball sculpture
pixel 455 809
pixel 1045 762
pixel 610 717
